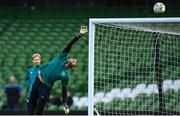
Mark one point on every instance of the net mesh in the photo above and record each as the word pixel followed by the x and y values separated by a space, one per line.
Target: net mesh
pixel 137 69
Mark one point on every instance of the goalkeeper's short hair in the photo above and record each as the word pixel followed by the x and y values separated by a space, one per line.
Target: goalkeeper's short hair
pixel 36 55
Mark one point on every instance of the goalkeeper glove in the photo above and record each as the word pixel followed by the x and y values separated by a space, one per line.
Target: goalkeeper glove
pixel 66 109
pixel 83 30
pixel 72 62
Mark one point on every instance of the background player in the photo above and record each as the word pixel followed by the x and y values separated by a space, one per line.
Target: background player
pixel 31 74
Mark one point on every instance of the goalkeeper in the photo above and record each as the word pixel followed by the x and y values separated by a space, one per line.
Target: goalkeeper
pixel 57 69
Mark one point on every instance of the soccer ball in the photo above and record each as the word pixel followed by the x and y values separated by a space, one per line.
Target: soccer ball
pixel 159 8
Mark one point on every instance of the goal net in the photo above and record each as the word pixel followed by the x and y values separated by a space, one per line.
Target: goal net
pixel 134 66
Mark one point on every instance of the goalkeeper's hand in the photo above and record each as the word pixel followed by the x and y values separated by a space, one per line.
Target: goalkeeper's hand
pixel 66 109
pixel 72 62
pixel 83 30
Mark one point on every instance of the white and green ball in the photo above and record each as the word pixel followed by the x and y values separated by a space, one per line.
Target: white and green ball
pixel 159 8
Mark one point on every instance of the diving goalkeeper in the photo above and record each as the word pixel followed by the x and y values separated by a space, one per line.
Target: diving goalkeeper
pixel 57 69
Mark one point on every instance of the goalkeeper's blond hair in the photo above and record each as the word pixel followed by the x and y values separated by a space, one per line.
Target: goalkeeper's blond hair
pixel 36 55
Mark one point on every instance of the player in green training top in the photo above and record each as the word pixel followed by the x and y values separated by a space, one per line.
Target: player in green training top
pixel 32 73
pixel 57 69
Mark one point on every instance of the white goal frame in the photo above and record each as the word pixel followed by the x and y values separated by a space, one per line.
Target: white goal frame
pixel 92 23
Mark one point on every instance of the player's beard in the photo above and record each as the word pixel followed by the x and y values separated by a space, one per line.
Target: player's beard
pixel 36 64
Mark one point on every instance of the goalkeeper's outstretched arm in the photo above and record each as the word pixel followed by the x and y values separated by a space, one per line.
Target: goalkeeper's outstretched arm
pixel 83 30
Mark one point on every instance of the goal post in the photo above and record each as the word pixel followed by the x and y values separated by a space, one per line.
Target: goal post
pixel 134 66
pixel 91 68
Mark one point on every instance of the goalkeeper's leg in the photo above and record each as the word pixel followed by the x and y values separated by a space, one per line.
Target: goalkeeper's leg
pixel 44 92
pixel 40 105
pixel 31 102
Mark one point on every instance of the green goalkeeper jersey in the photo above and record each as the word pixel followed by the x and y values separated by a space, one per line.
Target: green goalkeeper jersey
pixel 55 70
